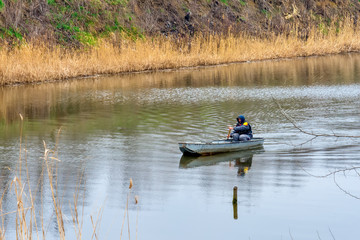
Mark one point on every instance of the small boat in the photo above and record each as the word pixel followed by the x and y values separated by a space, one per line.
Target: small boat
pixel 219 146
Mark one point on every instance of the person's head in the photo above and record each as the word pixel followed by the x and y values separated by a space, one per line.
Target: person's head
pixel 240 119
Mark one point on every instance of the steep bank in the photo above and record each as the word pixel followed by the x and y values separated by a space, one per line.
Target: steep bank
pixel 83 22
pixel 53 40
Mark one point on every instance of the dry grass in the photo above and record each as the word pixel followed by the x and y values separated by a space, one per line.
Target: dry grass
pixel 29 219
pixel 26 212
pixel 37 63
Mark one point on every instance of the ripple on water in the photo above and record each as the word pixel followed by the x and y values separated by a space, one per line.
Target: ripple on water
pixel 212 94
pixel 114 133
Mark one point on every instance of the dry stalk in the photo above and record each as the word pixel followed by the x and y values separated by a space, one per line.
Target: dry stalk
pixel 96 224
pixel 25 214
pixel 77 222
pixel 32 199
pixel 137 215
pixel 23 230
pixel 38 63
pixel 126 212
pixel 23 194
pixel 56 203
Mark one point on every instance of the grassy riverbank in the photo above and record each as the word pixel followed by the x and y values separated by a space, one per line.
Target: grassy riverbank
pixel 38 62
pixel 54 40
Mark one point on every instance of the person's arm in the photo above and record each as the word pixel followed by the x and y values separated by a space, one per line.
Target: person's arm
pixel 243 129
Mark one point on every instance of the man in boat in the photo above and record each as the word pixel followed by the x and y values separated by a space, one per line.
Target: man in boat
pixel 242 131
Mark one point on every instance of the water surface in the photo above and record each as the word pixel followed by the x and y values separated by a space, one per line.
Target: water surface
pixel 115 128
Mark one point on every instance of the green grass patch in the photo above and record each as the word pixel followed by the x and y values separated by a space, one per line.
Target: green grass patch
pixel 323 29
pixel 224 1
pixel 11 33
pixel 51 2
pixel 117 2
pixel 266 13
pixel 83 24
pixel 86 38
pixel 242 3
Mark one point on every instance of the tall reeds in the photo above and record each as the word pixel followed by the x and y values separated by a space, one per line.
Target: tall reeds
pixel 26 212
pixel 39 62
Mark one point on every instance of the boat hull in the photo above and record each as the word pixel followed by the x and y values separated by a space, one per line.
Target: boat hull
pixel 219 146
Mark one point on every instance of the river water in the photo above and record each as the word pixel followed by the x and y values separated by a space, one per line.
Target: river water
pixel 114 128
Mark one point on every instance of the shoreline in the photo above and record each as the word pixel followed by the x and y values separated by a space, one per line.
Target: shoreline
pixel 36 63
pixel 67 40
pixel 74 78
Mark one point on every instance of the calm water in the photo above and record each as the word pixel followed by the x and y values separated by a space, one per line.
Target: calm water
pixel 121 127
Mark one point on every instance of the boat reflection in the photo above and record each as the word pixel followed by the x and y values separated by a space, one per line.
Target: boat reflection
pixel 242 160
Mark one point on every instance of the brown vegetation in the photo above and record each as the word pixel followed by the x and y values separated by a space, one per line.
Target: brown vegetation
pixel 31 63
pixel 53 40
pixel 28 211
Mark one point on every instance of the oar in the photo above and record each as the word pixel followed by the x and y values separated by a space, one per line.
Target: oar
pixel 228 136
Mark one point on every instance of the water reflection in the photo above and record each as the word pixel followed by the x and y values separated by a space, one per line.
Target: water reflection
pixel 128 126
pixel 241 160
pixel 55 100
pixel 243 164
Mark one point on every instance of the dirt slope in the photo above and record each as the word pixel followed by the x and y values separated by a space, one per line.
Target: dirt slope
pixel 83 22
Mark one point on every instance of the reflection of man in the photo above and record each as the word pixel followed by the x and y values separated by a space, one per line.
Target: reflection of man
pixel 243 164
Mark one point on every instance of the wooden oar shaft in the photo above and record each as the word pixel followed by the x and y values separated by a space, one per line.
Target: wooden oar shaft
pixel 228 136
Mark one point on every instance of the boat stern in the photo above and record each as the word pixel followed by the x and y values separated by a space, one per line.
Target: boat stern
pixel 183 148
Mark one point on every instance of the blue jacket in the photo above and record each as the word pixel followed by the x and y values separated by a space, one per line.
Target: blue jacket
pixel 243 127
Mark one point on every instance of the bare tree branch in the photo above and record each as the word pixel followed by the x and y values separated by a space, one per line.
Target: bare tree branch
pixel 315 135
pixel 344 170
pixel 307 141
pixel 318 235
pixel 292 121
pixel 342 189
pixel 290 234
pixel 357 172
pixel 331 234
